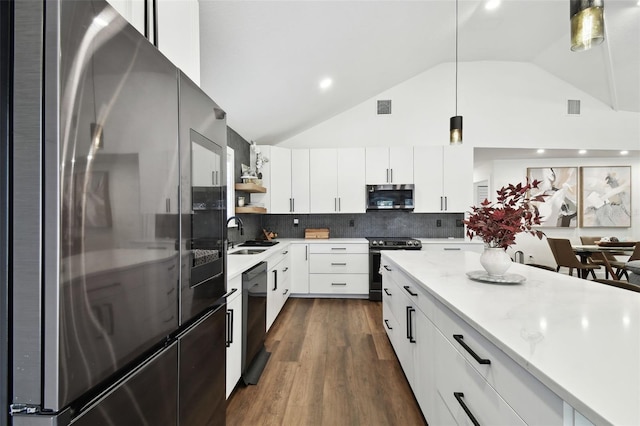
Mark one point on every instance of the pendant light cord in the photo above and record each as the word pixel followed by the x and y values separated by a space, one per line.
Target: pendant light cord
pixel 456 57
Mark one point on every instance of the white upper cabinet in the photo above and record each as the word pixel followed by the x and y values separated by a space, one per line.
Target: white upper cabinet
pixel 323 180
pixel 279 179
pixel 300 181
pixel 337 180
pixel 443 178
pixel 178 32
pixel 178 35
pixel 286 177
pixel 389 165
pixel 351 181
pixel 132 11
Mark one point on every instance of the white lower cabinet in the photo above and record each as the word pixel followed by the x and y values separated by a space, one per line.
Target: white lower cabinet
pixel 278 283
pixel 339 269
pixel 299 268
pixel 354 284
pixel 455 372
pixel 234 334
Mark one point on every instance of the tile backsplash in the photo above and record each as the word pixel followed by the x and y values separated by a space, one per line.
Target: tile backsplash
pixel 373 224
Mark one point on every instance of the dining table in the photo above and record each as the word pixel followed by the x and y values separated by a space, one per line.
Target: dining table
pixel 584 251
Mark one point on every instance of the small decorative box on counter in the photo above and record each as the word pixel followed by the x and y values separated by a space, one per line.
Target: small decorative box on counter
pixel 316 233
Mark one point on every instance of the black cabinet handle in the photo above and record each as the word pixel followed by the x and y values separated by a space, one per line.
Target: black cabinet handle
pixel 460 339
pixel 387 268
pixel 409 322
pixel 275 280
pixel 459 396
pixel 386 290
pixel 406 287
pixel 229 327
pixel 386 322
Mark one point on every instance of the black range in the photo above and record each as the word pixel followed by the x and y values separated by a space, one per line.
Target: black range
pixel 376 245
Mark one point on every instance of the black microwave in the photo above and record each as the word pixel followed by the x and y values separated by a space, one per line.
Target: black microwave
pixel 390 197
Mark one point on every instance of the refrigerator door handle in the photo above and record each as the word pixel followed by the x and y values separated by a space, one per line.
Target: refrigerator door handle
pixel 229 293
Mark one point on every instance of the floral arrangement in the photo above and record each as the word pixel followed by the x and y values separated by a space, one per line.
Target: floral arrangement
pixel 498 223
pixel 261 159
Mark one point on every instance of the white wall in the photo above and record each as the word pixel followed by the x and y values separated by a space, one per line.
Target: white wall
pixel 514 171
pixel 504 104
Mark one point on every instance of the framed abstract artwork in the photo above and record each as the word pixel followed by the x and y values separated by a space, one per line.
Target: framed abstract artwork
pixel 606 196
pixel 560 185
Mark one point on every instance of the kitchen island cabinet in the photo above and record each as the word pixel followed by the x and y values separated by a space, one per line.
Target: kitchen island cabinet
pixel 546 341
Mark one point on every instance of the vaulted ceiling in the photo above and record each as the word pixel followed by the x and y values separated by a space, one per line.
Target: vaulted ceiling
pixel 262 60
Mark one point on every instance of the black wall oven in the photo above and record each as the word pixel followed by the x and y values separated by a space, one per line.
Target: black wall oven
pixel 376 245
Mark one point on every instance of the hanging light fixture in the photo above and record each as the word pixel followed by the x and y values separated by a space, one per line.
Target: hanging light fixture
pixel 455 122
pixel 587 24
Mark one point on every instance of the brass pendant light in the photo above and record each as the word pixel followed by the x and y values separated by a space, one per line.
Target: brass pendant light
pixel 455 122
pixel 587 24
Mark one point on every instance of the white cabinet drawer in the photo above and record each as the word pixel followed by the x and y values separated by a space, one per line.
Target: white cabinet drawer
pixel 339 283
pixel 276 257
pixel 339 248
pixel 416 293
pixel 460 386
pixel 339 263
pixel 532 400
pixel 390 325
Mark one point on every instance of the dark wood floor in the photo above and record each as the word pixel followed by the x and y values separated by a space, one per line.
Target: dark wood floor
pixel 331 364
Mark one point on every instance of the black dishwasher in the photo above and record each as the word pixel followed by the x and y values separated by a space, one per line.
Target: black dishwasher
pixel 254 322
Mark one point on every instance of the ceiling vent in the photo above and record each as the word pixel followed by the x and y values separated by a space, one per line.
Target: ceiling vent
pixel 573 107
pixel 384 107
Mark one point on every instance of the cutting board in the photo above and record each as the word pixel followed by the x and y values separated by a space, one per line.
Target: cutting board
pixel 316 233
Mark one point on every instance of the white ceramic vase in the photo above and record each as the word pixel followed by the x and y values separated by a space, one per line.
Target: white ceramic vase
pixel 495 261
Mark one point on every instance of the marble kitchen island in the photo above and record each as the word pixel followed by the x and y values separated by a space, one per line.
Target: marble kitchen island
pixel 577 341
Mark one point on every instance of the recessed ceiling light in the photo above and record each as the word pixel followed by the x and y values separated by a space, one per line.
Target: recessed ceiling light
pixel 540 151
pixel 582 151
pixel 325 83
pixel 624 152
pixel 492 4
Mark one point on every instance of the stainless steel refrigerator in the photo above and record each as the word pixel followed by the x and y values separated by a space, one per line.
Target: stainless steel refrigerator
pixel 117 250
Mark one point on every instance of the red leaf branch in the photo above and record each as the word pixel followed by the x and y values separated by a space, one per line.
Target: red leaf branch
pixel 514 212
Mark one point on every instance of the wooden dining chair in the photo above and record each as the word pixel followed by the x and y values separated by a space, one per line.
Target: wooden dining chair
pixel 599 258
pixel 620 284
pixel 565 257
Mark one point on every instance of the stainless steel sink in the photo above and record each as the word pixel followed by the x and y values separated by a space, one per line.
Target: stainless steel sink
pixel 248 251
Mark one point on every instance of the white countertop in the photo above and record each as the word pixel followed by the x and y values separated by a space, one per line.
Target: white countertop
pixel 579 338
pixel 237 264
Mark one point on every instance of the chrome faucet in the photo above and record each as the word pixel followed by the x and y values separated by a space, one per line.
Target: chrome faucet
pixel 239 222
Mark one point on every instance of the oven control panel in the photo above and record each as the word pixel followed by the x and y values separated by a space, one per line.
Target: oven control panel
pixel 395 243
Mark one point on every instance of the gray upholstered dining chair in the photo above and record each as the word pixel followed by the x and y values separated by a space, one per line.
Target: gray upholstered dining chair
pixel 565 257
